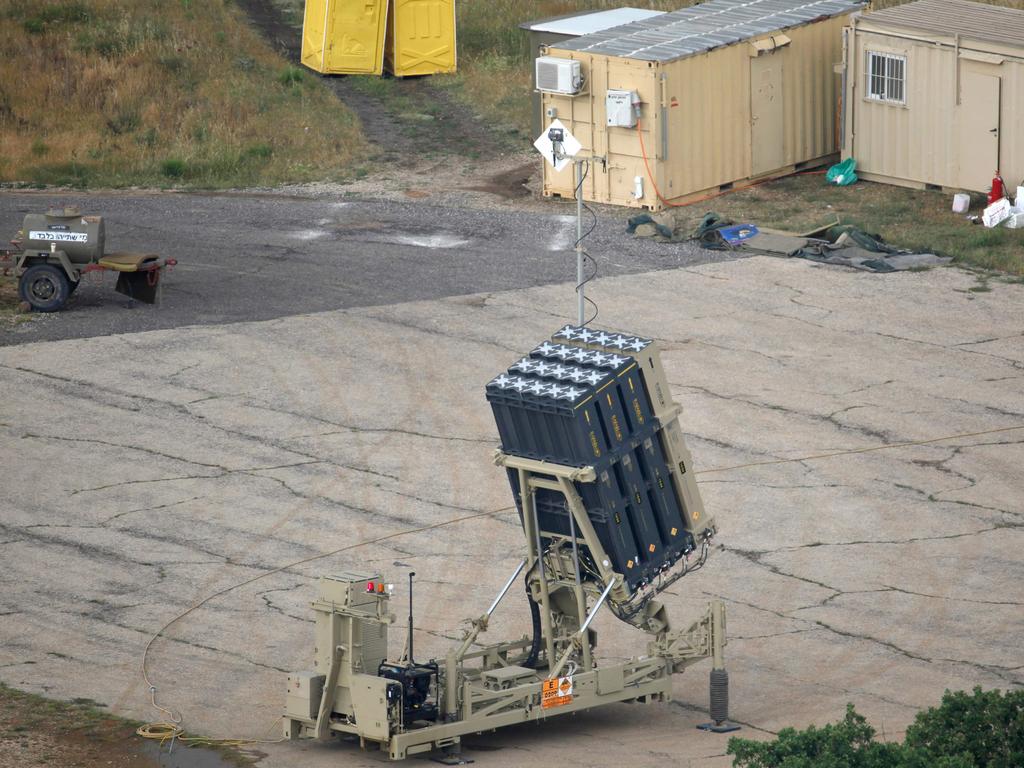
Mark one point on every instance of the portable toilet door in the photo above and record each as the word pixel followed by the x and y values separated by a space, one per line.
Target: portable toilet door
pixel 421 37
pixel 344 37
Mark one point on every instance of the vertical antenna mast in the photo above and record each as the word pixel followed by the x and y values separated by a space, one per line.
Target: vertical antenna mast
pixel 411 574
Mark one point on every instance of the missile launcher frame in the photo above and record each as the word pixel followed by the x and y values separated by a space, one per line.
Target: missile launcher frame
pixel 611 515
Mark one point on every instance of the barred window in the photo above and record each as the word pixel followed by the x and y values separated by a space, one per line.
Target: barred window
pixel 887 77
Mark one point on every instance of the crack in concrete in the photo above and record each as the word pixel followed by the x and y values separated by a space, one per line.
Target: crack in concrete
pixel 884 437
pixel 124 446
pixel 799 294
pixel 873 542
pixel 741 350
pixel 986 341
pixel 145 482
pixel 754 556
pixel 88 551
pixel 733 638
pixel 119 515
pixel 972 601
pixel 269 603
pixel 463 339
pixel 224 471
pixel 993 669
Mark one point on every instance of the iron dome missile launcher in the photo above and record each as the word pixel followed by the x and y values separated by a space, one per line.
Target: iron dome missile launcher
pixel 611 514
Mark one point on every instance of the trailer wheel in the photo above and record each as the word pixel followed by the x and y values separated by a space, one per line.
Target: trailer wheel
pixel 45 287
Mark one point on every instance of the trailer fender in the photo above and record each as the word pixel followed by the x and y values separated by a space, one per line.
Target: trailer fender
pixel 55 257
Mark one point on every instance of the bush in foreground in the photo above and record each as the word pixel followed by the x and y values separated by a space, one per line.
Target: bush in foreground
pixel 984 729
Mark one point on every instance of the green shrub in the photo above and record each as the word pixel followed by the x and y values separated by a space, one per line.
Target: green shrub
pixel 148 138
pixel 259 152
pixel 124 121
pixel 980 730
pixel 173 168
pixel 69 174
pixel 291 76
pixel 987 726
pixel 52 15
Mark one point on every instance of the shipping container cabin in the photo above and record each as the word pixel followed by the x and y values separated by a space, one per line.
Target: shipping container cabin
pixel 700 99
pixel 935 94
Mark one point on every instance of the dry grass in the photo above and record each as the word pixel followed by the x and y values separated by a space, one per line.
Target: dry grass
pixel 126 92
pixel 10 312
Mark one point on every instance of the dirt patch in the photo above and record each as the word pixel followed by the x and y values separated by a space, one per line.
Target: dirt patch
pixel 82 734
pixel 511 184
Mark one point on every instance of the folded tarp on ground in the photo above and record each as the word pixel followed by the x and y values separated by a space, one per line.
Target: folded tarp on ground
pixel 830 243
pixel 843 245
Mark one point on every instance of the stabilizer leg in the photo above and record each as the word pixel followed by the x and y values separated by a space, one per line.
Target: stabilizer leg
pixel 719 688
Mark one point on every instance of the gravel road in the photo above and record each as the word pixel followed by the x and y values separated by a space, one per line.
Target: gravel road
pixel 259 257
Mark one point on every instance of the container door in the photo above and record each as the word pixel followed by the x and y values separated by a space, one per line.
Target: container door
pixel 355 37
pixel 979 130
pixel 767 150
pixel 421 40
pixel 314 34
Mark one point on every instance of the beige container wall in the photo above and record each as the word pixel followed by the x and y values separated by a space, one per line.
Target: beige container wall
pixel 696 117
pixel 932 139
pixel 585 117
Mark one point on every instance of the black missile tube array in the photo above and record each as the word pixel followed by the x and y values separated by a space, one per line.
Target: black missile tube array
pixel 580 407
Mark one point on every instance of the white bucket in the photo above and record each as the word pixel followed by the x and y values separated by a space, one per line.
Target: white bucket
pixel 961 203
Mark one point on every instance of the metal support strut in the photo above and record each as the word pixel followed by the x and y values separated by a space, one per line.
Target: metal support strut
pixel 719 689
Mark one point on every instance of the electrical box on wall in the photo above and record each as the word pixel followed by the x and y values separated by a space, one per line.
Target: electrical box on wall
pixel 621 108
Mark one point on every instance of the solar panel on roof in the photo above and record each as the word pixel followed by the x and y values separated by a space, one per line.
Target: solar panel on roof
pixel 704 27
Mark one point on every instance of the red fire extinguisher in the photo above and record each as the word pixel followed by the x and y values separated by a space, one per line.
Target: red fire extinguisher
pixel 998 189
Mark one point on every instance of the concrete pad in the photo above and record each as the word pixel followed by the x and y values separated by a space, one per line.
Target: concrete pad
pixel 145 473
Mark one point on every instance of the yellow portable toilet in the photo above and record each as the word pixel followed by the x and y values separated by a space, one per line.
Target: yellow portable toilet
pixel 344 37
pixel 421 37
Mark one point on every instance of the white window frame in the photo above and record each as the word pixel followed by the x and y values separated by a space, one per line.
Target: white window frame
pixel 890 85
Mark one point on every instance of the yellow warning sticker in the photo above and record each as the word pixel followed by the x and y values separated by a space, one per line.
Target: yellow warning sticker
pixel 556 692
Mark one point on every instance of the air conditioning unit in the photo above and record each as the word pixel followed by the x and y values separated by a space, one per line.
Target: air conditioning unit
pixel 558 75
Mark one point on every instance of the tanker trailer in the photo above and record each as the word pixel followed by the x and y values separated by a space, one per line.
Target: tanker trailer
pixel 55 249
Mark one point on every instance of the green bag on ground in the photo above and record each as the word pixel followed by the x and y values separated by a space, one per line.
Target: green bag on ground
pixel 843 174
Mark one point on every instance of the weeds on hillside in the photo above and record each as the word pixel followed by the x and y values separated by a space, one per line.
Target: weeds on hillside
pixel 159 92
